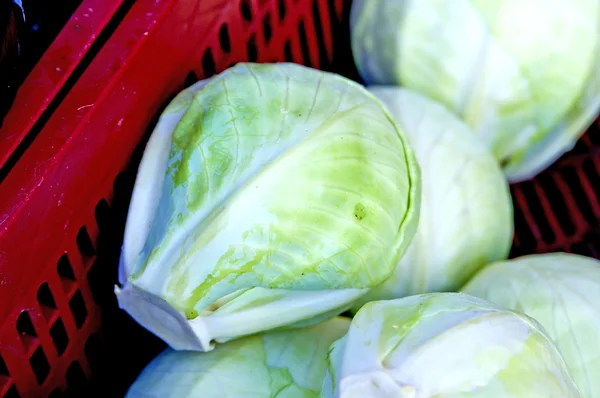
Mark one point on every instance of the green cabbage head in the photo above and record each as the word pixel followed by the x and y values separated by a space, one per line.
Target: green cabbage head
pixel 562 292
pixel 466 217
pixel 522 73
pixel 445 345
pixel 282 364
pixel 268 196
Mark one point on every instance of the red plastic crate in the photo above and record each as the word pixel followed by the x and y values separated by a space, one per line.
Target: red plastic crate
pixel 70 147
pixel 54 196
pixel 559 210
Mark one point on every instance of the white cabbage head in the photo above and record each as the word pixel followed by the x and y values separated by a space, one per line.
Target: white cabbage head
pixel 445 345
pixel 270 195
pixel 466 217
pixel 522 73
pixel 562 292
pixel 282 364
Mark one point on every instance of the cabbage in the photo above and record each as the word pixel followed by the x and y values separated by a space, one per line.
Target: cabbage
pixel 562 292
pixel 283 364
pixel 522 73
pixel 445 344
pixel 466 217
pixel 272 195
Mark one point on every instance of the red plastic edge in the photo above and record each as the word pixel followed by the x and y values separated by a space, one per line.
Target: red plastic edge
pixel 52 71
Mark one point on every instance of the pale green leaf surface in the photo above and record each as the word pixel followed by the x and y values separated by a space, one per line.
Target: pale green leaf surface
pixel 279 178
pixel 562 292
pixel 286 364
pixel 522 73
pixel 445 345
pixel 466 216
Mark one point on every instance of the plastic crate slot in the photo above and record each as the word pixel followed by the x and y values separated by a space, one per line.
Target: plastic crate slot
pixel 524 237
pixel 267 32
pixel 102 215
pixel 12 392
pixel 593 239
pixel 224 38
pixel 586 139
pixel 582 248
pixel 3 368
pixel 533 203
pixel 4 376
pixel 246 10
pixel 324 60
pixel 593 248
pixel 77 305
pixel 47 303
pixel 45 297
pixel 287 52
pixel 190 79
pixel 39 365
pixel 304 44
pixel 76 379
pixel 64 268
pixel 524 227
pixel 84 243
pixel 252 51
pixel 25 326
pixel 125 179
pixel 583 202
pixel 208 64
pixel 558 206
pixel 594 133
pixel 591 172
pixel 582 147
pixel 59 336
pixel 281 8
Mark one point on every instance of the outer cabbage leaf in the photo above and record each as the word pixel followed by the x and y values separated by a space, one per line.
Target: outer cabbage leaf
pixel 562 292
pixel 284 364
pixel 466 216
pixel 445 345
pixel 269 196
pixel 522 73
